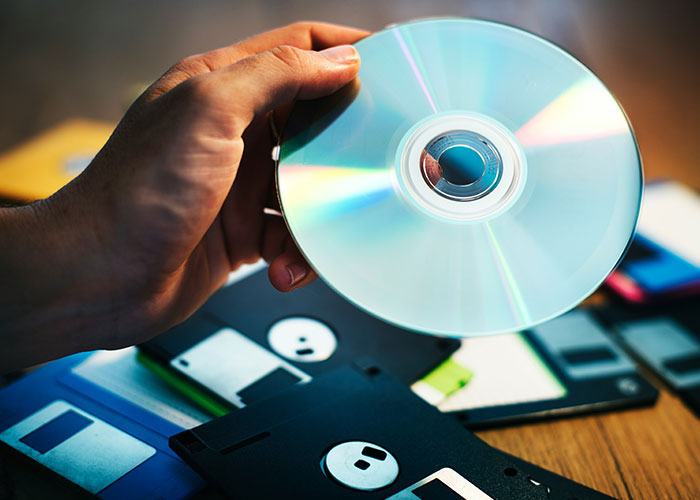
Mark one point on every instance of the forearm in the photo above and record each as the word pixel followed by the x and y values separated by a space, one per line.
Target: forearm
pixel 49 275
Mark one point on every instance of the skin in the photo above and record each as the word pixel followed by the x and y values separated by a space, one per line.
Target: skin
pixel 171 204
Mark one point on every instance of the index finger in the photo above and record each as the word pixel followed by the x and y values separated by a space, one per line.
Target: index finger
pixel 305 35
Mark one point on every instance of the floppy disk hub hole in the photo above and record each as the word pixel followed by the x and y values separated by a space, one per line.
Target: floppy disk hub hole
pixel 362 464
pixel 375 453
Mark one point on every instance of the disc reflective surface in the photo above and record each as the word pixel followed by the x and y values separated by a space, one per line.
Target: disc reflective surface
pixel 474 179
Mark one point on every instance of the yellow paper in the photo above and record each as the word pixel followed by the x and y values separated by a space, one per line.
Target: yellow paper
pixel 44 164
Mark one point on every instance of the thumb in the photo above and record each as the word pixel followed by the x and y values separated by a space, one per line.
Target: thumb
pixel 260 83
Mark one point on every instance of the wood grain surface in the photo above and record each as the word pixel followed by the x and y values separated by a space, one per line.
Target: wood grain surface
pixel 641 454
pixel 67 58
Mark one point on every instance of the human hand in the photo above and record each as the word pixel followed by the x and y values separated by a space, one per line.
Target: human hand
pixel 174 201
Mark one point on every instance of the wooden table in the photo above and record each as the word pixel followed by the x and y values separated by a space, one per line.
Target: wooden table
pixel 641 454
pixel 69 58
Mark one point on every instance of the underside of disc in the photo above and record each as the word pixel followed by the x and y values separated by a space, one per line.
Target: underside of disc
pixel 473 179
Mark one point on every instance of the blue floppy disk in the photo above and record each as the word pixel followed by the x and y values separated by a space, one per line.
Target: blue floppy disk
pixel 111 442
pixel 664 257
pixel 77 445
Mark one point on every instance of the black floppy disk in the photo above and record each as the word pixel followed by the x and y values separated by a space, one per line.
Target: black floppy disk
pixel 568 365
pixel 667 338
pixel 250 341
pixel 357 433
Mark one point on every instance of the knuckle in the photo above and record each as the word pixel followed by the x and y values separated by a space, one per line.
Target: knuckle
pixel 290 57
pixel 203 99
pixel 178 73
pixel 188 67
pixel 198 90
pixel 300 26
pixel 187 63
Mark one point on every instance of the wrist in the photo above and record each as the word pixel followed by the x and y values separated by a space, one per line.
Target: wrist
pixel 55 283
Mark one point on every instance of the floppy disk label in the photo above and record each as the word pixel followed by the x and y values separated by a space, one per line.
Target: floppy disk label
pixel 237 369
pixel 495 370
pixel 673 233
pixel 121 374
pixel 77 445
pixel 445 484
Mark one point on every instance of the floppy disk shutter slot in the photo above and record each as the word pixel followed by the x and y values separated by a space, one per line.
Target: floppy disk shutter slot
pixel 244 443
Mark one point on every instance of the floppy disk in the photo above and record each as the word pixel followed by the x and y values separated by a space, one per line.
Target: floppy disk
pixel 79 446
pixel 358 433
pixel 667 339
pixel 250 341
pixel 44 164
pixel 567 365
pixel 98 441
pixel 663 260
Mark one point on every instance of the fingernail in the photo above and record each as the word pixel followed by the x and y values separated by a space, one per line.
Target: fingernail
pixel 342 54
pixel 297 272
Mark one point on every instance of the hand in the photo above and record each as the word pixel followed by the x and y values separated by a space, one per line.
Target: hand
pixel 171 204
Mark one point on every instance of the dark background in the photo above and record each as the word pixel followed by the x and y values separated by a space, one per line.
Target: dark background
pixel 90 58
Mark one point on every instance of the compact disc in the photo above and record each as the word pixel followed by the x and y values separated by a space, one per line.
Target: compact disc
pixel 474 179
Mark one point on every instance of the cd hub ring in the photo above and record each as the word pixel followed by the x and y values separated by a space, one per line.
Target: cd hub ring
pixel 460 167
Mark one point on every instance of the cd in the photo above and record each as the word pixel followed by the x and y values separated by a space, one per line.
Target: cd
pixel 474 179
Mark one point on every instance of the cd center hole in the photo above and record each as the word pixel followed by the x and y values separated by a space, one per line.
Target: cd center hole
pixel 461 165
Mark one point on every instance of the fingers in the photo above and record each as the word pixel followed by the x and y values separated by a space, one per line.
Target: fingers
pixel 431 168
pixel 260 83
pixel 250 88
pixel 290 270
pixel 235 95
pixel 242 214
pixel 275 238
pixel 303 35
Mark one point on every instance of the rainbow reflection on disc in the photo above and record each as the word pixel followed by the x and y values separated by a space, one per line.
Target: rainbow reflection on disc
pixel 474 179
